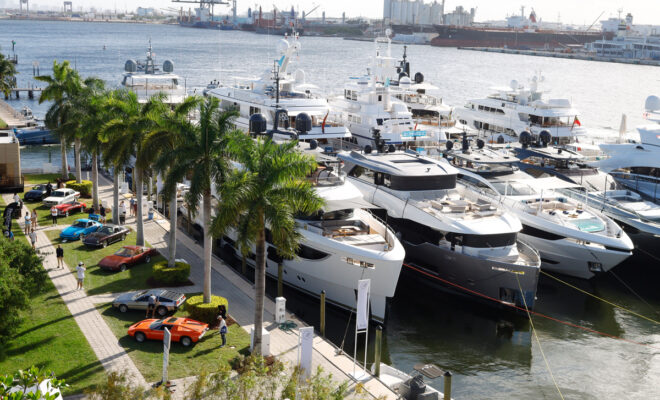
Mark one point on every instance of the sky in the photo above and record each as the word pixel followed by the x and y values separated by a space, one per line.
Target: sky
pixel 582 12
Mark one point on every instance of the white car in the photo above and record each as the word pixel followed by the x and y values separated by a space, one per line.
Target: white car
pixel 61 196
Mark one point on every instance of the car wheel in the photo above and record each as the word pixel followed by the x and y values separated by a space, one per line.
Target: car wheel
pixel 161 311
pixel 186 341
pixel 123 308
pixel 122 267
pixel 147 259
pixel 104 243
pixel 66 213
pixel 140 337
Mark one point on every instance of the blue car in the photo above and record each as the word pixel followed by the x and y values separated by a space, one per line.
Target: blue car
pixel 80 228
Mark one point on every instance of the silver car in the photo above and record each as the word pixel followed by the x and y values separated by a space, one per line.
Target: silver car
pixel 168 301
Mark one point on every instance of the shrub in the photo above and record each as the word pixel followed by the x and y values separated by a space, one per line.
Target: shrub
pixel 200 311
pixel 169 276
pixel 84 187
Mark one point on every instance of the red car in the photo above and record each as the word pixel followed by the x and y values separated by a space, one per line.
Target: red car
pixel 184 330
pixel 126 257
pixel 68 208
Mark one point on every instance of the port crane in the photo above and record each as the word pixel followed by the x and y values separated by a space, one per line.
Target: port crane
pixel 209 4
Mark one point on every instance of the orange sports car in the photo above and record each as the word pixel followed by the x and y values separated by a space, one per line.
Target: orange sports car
pixel 184 330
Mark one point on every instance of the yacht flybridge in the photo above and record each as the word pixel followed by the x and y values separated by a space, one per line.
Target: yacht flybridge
pixel 146 79
pixel 504 115
pixel 451 236
pixel 572 238
pixel 280 89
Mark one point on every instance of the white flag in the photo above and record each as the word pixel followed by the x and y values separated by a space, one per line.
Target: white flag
pixel 363 304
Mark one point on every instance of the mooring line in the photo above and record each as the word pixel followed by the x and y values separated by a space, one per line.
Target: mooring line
pixel 633 292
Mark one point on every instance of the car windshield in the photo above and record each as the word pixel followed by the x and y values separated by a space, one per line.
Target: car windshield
pixel 106 229
pixel 124 252
pixel 80 224
pixel 39 187
pixel 58 194
pixel 156 324
pixel 139 294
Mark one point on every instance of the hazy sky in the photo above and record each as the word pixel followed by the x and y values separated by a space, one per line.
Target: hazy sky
pixel 570 11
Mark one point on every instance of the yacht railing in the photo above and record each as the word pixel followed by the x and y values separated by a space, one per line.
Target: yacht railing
pixel 637 178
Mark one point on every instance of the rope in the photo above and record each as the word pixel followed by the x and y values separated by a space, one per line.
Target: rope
pixel 633 292
pixel 584 328
pixel 536 336
pixel 601 299
pixel 647 253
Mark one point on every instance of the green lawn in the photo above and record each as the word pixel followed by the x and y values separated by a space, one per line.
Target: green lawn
pixel 148 356
pixel 3 124
pixel 97 280
pixel 44 218
pixel 50 338
pixel 33 179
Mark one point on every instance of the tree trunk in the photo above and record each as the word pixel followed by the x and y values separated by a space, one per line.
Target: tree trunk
pixel 76 146
pixel 150 186
pixel 207 246
pixel 259 284
pixel 139 218
pixel 173 228
pixel 115 197
pixel 65 164
pixel 95 181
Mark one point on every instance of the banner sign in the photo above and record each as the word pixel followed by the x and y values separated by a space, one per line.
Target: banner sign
pixel 363 304
pixel 306 349
pixel 167 340
pixel 413 134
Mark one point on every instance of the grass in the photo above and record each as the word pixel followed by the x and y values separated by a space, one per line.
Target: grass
pixel 33 179
pixel 184 361
pixel 49 337
pixel 3 124
pixel 44 218
pixel 98 281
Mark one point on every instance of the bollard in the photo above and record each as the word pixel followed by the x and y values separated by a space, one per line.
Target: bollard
pixel 322 324
pixel 447 388
pixel 377 350
pixel 280 276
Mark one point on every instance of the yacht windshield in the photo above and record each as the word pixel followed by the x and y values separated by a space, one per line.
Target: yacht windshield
pixel 514 188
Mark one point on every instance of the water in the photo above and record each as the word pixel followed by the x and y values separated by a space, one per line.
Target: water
pixel 492 355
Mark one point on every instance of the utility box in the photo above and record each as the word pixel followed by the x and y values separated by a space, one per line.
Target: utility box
pixel 280 310
pixel 265 342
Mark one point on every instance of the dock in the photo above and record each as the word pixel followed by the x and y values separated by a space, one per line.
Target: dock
pixel 13 118
pixel 572 56
pixel 29 90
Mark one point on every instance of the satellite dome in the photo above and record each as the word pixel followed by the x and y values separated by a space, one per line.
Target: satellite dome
pixel 419 77
pixel 449 145
pixel 500 139
pixel 480 143
pixel 391 148
pixel 282 46
pixel 300 76
pixel 367 149
pixel 313 144
pixel 303 123
pixel 514 84
pixel 525 138
pixel 405 82
pixel 130 66
pixel 168 66
pixel 545 138
pixel 652 103
pixel 258 123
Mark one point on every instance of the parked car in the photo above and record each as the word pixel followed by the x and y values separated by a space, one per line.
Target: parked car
pixel 38 193
pixel 106 235
pixel 68 208
pixel 169 301
pixel 79 228
pixel 61 196
pixel 126 257
pixel 184 330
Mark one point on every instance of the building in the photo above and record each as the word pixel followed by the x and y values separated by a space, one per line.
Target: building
pixel 146 12
pixel 407 12
pixel 11 179
pixel 460 17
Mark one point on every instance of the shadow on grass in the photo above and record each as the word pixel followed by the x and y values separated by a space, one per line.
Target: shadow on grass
pixel 16 351
pixel 45 324
pixel 135 278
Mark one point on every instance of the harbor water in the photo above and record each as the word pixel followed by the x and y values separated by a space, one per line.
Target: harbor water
pixel 493 355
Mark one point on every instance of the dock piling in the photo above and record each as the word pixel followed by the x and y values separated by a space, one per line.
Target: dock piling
pixel 377 350
pixel 322 323
pixel 447 388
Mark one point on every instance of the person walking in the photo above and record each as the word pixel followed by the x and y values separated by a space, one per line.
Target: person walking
pixel 34 220
pixel 122 212
pixel 80 274
pixel 33 239
pixel 222 330
pixel 49 189
pixel 132 204
pixel 59 253
pixel 102 213
pixel 53 214
pixel 151 305
pixel 28 224
pixel 222 310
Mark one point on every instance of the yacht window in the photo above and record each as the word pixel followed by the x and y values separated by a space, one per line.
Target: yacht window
pixel 380 97
pixel 310 253
pixel 363 174
pixel 255 110
pixel 486 241
pixel 175 82
pixel 379 121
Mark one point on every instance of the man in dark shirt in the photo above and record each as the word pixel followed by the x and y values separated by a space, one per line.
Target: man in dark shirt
pixel 59 253
pixel 49 189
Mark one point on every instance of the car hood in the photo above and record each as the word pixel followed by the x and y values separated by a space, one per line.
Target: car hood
pixel 194 326
pixel 72 230
pixel 112 260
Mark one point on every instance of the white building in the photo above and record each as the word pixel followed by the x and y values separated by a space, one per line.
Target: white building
pixel 460 17
pixel 407 12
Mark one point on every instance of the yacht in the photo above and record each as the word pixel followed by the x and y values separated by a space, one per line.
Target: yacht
pixel 452 238
pixel 505 114
pixel 341 244
pixel 146 79
pixel 637 165
pixel 572 238
pixel 281 88
pixel 371 111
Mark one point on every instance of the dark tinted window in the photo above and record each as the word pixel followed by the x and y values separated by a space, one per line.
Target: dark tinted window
pixel 310 253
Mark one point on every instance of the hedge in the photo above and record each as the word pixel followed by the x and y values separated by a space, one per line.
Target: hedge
pixel 85 187
pixel 205 312
pixel 166 275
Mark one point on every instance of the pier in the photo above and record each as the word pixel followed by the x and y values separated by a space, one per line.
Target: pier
pixel 29 90
pixel 13 118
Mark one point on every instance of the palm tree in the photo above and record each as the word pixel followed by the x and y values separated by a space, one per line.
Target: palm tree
pixel 7 75
pixel 131 122
pixel 61 90
pixel 202 156
pixel 269 190
pixel 172 126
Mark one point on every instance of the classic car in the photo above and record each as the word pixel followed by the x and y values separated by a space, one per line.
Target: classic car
pixel 80 228
pixel 184 330
pixel 61 196
pixel 126 257
pixel 68 208
pixel 167 301
pixel 106 235
pixel 37 193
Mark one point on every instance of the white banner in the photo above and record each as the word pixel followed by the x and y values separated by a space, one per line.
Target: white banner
pixel 363 304
pixel 167 340
pixel 306 349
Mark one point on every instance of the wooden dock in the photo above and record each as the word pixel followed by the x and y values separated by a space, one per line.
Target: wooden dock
pixel 12 118
pixel 29 90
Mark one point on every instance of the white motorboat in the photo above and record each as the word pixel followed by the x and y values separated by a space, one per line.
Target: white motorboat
pixel 571 237
pixel 452 237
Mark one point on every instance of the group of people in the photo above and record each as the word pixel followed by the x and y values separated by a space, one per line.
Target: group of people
pixel 31 223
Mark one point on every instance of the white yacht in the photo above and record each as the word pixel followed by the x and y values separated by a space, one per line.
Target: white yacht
pixel 371 111
pixel 637 165
pixel 572 238
pixel 281 88
pixel 504 115
pixel 451 236
pixel 146 79
pixel 341 244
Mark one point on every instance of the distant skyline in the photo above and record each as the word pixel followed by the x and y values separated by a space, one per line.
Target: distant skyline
pixel 569 11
